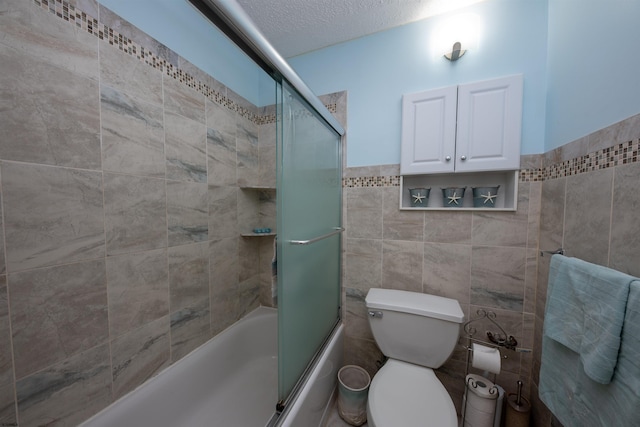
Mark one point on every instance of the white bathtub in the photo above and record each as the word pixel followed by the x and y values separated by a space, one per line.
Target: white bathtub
pixel 230 381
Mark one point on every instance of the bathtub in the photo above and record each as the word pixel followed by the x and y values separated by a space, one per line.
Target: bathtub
pixel 232 380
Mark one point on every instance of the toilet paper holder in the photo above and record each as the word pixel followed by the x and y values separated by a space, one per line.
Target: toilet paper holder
pixel 500 339
pixel 495 340
pixel 511 343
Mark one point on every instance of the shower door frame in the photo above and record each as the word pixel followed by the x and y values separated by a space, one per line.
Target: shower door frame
pixel 229 17
pixel 302 152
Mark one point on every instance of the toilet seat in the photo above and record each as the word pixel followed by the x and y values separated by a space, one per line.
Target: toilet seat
pixel 407 395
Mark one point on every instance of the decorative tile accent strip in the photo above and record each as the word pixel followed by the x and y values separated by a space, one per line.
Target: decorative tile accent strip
pixel 271 118
pixel 620 154
pixel 69 13
pixel 265 120
pixel 531 175
pixel 371 181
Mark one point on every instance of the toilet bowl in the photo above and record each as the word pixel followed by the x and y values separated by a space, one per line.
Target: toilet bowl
pixel 407 395
pixel 418 333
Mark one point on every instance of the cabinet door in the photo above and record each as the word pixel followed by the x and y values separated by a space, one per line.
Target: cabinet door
pixel 489 125
pixel 428 131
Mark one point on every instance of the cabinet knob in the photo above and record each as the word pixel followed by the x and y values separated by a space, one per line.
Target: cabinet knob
pixel 448 158
pixel 463 158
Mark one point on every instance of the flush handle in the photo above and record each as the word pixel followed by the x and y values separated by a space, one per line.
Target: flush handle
pixel 375 314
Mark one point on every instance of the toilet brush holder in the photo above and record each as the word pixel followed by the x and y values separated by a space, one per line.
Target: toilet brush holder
pixel 518 409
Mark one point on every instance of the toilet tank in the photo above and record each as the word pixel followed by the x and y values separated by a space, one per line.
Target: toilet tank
pixel 414 327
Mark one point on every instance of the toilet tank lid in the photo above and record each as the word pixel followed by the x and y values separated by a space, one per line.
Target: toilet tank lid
pixel 415 303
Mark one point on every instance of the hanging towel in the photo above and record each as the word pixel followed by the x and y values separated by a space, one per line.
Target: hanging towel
pixel 578 401
pixel 585 311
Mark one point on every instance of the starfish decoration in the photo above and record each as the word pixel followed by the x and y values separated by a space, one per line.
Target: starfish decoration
pixel 454 199
pixel 417 198
pixel 489 198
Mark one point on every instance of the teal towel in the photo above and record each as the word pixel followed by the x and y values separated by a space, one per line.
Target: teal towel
pixel 578 401
pixel 585 311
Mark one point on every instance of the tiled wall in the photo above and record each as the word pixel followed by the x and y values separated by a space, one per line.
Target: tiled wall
pixel 582 197
pixel 120 166
pixel 590 210
pixel 483 259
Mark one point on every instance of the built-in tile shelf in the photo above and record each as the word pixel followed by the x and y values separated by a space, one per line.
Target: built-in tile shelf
pixel 257 234
pixel 257 204
pixel 507 199
pixel 257 187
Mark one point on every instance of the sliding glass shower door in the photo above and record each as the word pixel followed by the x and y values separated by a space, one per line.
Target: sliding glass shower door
pixel 309 225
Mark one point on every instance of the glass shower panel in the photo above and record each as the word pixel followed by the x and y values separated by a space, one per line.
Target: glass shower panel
pixel 309 220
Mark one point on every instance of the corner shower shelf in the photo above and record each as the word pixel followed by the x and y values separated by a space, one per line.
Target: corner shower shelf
pixel 507 196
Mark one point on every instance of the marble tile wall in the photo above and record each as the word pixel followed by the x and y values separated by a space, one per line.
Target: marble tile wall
pixel 120 209
pixel 590 210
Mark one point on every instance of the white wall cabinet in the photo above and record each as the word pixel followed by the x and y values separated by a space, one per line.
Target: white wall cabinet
pixel 467 128
pixel 428 131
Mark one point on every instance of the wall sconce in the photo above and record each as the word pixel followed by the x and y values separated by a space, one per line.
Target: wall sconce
pixel 456 52
pixel 454 36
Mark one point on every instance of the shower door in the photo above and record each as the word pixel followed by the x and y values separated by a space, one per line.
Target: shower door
pixel 309 224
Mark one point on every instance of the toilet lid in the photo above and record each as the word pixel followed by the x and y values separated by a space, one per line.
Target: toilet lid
pixel 407 395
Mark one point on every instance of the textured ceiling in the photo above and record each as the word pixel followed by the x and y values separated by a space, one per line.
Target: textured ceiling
pixel 294 27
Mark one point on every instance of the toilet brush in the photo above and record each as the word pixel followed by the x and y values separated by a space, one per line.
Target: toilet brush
pixel 518 409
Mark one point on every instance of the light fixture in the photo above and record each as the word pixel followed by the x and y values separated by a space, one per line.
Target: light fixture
pixel 454 35
pixel 456 52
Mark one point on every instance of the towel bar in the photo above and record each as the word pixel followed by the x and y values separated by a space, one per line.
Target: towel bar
pixel 316 239
pixel 558 251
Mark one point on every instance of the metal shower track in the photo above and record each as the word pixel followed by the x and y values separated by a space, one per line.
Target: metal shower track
pixel 238 26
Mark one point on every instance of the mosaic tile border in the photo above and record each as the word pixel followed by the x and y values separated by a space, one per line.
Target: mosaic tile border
pixel 619 154
pixel 531 175
pixel 271 118
pixel 526 175
pixel 91 25
pixel 371 181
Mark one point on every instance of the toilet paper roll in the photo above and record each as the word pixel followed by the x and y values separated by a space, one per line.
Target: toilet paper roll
pixel 486 358
pixel 481 401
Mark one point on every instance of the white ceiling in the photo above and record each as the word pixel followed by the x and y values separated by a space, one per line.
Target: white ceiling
pixel 294 27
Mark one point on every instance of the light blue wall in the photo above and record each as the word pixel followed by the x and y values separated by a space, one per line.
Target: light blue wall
pixel 377 70
pixel 594 66
pixel 181 27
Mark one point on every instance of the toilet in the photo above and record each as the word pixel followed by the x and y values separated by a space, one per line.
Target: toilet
pixel 417 332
